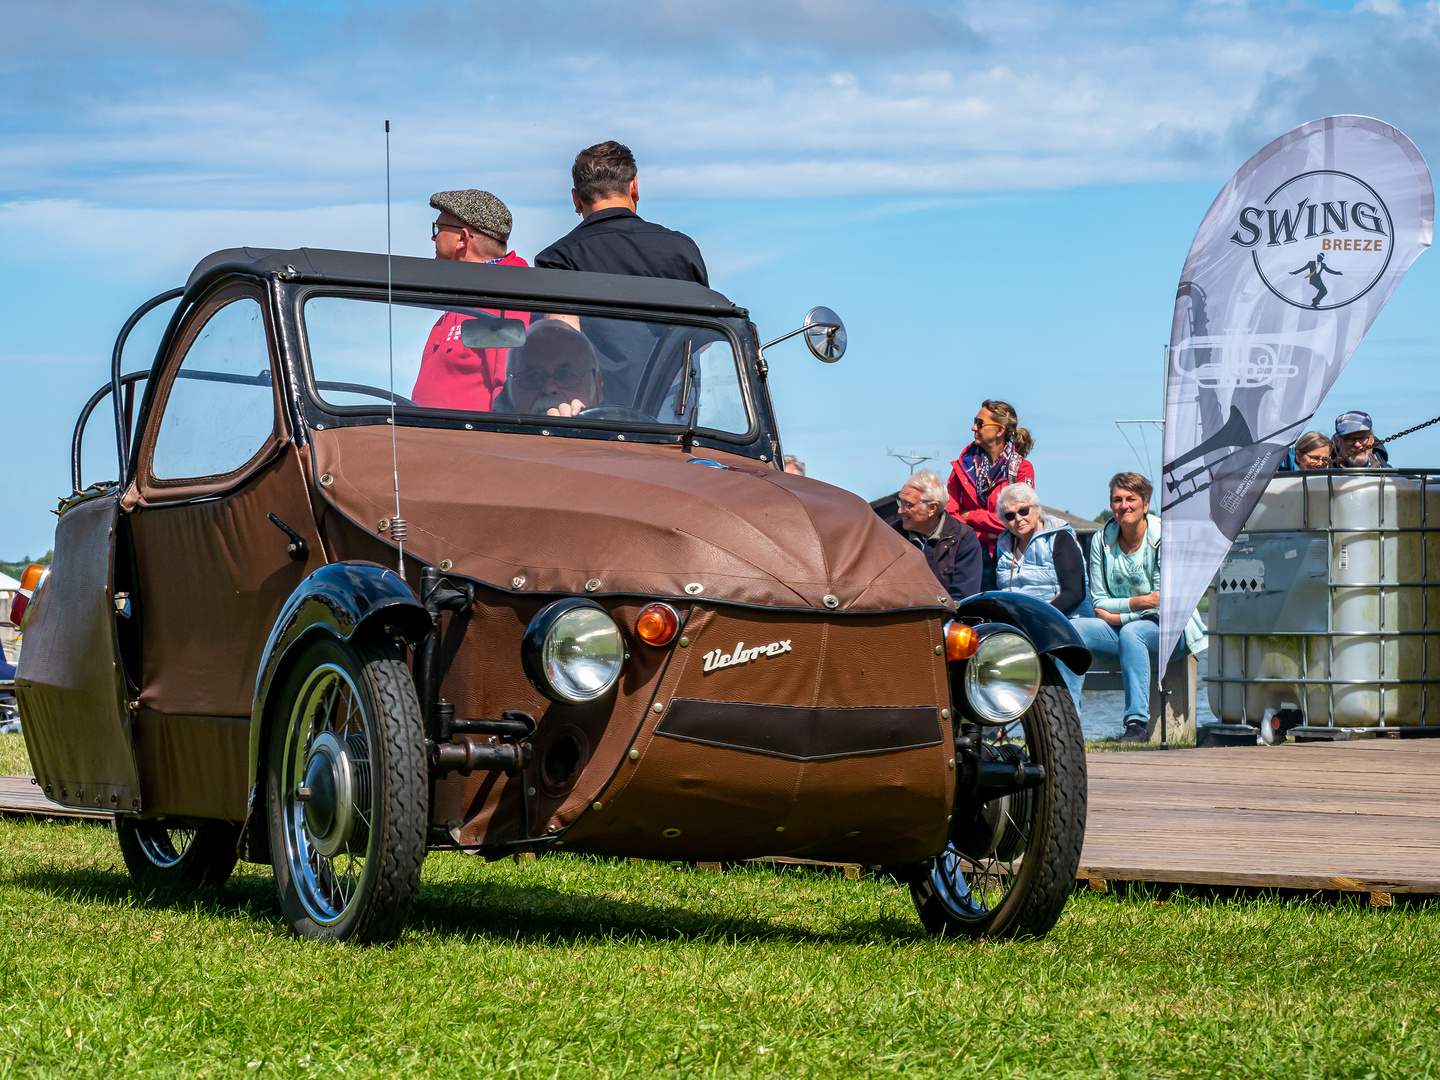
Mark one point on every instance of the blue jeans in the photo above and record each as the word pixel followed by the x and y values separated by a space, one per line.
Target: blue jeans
pixel 1135 648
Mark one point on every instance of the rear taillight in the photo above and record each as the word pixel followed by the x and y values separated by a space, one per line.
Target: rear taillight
pixel 30 582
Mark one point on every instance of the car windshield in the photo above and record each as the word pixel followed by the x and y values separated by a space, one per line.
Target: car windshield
pixel 525 363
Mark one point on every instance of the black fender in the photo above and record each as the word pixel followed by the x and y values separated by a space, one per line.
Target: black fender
pixel 345 600
pixel 1048 630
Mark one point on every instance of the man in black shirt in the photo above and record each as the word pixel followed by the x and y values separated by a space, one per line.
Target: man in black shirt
pixel 613 239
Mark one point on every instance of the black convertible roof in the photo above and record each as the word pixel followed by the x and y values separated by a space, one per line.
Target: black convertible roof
pixel 446 276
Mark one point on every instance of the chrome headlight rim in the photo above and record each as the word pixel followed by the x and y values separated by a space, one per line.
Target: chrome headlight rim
pixel 978 703
pixel 539 633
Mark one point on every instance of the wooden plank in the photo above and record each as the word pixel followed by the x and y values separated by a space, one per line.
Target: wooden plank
pixel 18 795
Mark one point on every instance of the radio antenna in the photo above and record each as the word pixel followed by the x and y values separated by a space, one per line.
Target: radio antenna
pixel 398 527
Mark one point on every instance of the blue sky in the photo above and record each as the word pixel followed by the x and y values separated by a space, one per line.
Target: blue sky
pixel 997 198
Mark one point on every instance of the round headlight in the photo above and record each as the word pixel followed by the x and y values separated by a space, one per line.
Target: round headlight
pixel 573 651
pixel 1002 678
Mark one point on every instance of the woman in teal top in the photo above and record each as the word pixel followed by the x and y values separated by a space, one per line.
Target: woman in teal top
pixel 1125 591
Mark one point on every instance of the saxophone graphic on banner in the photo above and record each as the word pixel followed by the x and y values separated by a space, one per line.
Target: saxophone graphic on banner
pixel 1293 261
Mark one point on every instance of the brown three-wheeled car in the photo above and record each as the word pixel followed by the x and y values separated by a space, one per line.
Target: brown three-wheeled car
pixel 434 555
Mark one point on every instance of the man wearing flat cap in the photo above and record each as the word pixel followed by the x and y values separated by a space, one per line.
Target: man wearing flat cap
pixel 1355 445
pixel 472 226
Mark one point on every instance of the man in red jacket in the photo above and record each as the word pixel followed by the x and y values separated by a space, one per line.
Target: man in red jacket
pixel 473 226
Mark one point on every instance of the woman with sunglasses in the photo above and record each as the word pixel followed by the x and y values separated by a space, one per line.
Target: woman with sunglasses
pixel 1039 555
pixel 1125 591
pixel 995 459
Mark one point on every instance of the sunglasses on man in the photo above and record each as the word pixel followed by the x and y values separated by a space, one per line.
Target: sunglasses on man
pixel 436 226
pixel 1011 515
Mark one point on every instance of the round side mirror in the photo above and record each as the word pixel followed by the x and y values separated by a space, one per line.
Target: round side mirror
pixel 825 334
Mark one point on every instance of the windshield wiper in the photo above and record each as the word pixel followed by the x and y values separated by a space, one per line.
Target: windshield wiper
pixel 687 375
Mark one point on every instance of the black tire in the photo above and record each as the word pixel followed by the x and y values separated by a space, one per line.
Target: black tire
pixel 347 728
pixel 1017 875
pixel 168 855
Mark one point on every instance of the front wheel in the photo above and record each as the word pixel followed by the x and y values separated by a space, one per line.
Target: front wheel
pixel 169 855
pixel 1010 863
pixel 347 793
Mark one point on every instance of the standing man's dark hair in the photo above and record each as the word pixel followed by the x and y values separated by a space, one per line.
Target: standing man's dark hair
pixel 605 170
pixel 613 238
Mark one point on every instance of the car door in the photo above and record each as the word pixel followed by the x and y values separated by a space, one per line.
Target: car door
pixel 214 462
pixel 70 682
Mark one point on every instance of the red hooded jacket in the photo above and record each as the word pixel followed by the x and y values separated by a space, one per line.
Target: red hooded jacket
pixel 454 377
pixel 964 498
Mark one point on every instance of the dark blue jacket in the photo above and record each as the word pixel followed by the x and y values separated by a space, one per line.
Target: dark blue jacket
pixel 619 241
pixel 954 556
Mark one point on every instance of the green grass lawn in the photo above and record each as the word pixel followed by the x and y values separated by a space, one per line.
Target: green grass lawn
pixel 570 967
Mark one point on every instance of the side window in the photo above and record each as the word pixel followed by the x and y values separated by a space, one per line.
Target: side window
pixel 221 409
pixel 722 404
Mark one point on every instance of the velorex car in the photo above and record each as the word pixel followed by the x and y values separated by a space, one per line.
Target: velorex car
pixel 435 555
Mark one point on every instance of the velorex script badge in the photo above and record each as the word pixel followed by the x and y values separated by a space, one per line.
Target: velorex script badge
pixel 1321 239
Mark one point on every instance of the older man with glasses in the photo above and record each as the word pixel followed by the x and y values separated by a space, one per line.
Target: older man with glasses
pixel 951 547
pixel 472 226
pixel 554 373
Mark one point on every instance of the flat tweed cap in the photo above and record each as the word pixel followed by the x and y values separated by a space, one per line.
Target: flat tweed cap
pixel 480 210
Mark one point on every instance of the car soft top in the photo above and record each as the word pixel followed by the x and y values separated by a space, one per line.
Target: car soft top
pixel 450 277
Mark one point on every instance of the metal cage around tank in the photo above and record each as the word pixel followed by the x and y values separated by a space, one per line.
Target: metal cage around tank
pixel 1323 605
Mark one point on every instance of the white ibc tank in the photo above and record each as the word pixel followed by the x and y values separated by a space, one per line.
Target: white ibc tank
pixel 1370 666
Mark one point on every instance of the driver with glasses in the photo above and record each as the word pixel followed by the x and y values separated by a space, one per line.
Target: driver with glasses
pixel 555 373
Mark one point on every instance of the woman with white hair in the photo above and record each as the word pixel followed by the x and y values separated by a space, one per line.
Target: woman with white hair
pixel 1039 555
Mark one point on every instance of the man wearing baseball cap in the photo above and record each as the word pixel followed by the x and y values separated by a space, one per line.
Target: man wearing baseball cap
pixel 1355 445
pixel 472 226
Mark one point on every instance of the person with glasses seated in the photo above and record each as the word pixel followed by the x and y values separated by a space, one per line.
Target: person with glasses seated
pixel 993 460
pixel 554 373
pixel 1039 555
pixel 473 226
pixel 951 547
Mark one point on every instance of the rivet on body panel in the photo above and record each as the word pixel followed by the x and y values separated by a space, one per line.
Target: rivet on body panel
pixel 319 427
pixel 941 599
pixel 597 806
pixel 684 643
pixel 469 427
pixel 634 755
pixel 530 791
pixel 670 832
pixel 950 764
pixel 446 564
pixel 326 479
pixel 544 432
pixel 694 588
pixel 592 584
pixel 944 714
pixel 620 437
pixel 517 582
pixel 550 828
pixel 831 601
pixel 939 649
pixel 383 525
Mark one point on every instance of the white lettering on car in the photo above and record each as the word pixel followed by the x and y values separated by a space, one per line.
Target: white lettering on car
pixel 718 658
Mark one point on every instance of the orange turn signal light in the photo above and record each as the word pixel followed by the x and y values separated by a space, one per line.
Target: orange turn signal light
pixel 657 624
pixel 961 641
pixel 32 575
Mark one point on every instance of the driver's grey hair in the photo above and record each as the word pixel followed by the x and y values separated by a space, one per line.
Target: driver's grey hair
pixel 1011 494
pixel 930 487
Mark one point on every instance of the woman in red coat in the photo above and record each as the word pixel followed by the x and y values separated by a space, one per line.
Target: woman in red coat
pixel 994 459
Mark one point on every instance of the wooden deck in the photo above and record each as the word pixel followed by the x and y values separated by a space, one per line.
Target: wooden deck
pixel 1355 817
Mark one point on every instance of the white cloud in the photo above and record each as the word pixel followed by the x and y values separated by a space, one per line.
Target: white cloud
pixel 735 99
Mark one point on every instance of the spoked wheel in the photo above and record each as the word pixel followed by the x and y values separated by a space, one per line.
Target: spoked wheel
pixel 347 793
pixel 169 855
pixel 1010 864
